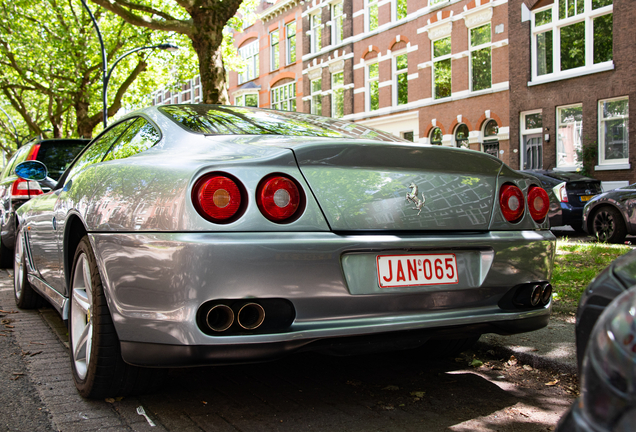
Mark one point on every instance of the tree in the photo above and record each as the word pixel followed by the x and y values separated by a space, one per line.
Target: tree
pixel 200 20
pixel 50 64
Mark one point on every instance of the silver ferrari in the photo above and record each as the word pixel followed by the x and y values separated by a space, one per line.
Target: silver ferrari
pixel 197 235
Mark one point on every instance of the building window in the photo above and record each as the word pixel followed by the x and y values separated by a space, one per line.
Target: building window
pixel 250 100
pixel 480 57
pixel 401 83
pixel 436 136
pixel 316 96
pixel 613 131
pixel 372 15
pixel 461 136
pixel 409 136
pixel 491 140
pixel 434 2
pixel 400 9
pixel 531 125
pixel 569 131
pixel 373 87
pixel 315 33
pixel 571 34
pixel 274 56
pixel 337 23
pixel 284 97
pixel 337 95
pixel 249 54
pixel 442 68
pixel 290 32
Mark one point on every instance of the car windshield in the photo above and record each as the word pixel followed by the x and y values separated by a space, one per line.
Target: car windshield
pixel 231 120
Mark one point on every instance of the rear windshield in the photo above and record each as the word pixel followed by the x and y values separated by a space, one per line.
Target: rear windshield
pixel 231 120
pixel 57 155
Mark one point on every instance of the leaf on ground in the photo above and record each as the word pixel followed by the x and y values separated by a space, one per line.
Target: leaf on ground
pixel 391 387
pixel 476 363
pixel 551 383
pixel 418 394
pixel 527 367
pixel 109 400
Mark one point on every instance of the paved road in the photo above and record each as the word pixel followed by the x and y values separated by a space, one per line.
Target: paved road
pixel 399 391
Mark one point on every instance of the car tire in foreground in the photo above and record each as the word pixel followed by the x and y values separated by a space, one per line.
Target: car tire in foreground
pixel 5 256
pixel 98 368
pixel 25 295
pixel 608 225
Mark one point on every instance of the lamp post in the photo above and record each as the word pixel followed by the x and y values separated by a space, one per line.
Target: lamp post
pixel 105 72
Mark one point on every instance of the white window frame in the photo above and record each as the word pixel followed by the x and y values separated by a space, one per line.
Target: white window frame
pixel 438 59
pixel 367 84
pixel 315 44
pixel 472 49
pixel 274 50
pixel 559 123
pixel 396 73
pixel 335 88
pixel 317 93
pixel 240 99
pixel 601 136
pixel 288 39
pixel 278 99
pixel 555 26
pixel 368 4
pixel 394 10
pixel 337 23
pixel 249 53
pixel 523 132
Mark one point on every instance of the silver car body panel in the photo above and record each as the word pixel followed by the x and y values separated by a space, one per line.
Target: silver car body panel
pixel 160 260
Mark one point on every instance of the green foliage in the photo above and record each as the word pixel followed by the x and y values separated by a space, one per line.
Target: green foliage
pixel 575 266
pixel 588 156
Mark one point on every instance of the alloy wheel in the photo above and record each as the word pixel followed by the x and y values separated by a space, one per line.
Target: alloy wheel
pixel 604 225
pixel 81 325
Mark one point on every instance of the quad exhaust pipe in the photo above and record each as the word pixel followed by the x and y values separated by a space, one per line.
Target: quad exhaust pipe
pixel 221 317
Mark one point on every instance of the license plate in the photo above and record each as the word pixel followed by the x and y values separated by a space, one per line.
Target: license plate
pixel 586 197
pixel 416 270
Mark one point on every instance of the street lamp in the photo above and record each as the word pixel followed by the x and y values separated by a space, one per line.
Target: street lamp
pixel 105 72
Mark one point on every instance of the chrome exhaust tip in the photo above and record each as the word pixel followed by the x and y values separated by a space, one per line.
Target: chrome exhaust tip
pixel 535 295
pixel 546 295
pixel 220 318
pixel 251 316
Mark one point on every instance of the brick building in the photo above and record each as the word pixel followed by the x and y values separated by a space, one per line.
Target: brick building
pixel 572 83
pixel 432 71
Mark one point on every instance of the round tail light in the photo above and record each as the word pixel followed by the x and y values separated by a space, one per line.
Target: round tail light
pixel 218 198
pixel 279 198
pixel 538 203
pixel 511 202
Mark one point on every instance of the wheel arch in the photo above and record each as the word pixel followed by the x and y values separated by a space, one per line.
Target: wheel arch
pixel 607 203
pixel 73 233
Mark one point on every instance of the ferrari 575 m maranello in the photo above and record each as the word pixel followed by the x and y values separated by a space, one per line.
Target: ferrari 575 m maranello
pixel 198 235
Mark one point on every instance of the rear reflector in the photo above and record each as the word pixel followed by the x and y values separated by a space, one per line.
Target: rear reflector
pixel 25 188
pixel 511 202
pixel 218 198
pixel 279 198
pixel 538 203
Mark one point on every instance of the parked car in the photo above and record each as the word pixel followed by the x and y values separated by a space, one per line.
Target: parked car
pixel 56 154
pixel 610 216
pixel 199 234
pixel 568 192
pixel 608 383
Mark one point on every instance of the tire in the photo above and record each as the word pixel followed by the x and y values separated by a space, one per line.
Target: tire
pixel 440 348
pixel 96 362
pixel 25 295
pixel 608 225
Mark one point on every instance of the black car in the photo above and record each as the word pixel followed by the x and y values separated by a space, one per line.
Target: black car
pixel 568 192
pixel 610 216
pixel 606 352
pixel 56 154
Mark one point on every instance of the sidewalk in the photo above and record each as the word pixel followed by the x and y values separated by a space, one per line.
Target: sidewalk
pixel 552 347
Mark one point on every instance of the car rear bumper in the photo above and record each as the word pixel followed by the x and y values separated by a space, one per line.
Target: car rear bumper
pixel 156 284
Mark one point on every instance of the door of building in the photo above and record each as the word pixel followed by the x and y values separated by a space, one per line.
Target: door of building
pixel 533 152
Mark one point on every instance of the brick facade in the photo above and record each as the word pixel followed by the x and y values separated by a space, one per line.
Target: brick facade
pixel 587 90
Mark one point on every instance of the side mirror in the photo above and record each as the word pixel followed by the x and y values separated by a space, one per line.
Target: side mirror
pixel 36 171
pixel 31 170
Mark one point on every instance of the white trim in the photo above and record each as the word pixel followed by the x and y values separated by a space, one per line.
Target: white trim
pixel 385 84
pixel 573 73
pixel 610 167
